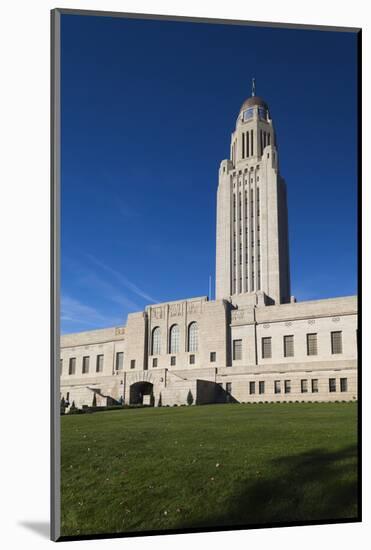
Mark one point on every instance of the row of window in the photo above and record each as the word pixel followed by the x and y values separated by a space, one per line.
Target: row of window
pixel 288 345
pixel 278 387
pixel 191 359
pixel 119 363
pixel 174 339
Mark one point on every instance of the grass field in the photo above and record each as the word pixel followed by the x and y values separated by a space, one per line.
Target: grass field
pixel 214 465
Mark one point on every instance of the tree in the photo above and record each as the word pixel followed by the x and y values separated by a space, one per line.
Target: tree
pixel 63 405
pixel 190 398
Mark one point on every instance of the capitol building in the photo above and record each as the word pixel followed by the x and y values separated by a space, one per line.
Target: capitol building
pixel 254 342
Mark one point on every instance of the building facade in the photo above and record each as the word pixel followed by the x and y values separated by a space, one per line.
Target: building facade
pixel 254 342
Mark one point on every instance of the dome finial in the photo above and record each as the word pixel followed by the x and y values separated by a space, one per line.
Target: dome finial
pixel 253 87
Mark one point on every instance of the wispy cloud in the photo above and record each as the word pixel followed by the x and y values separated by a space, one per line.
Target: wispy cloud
pixel 122 280
pixel 76 312
pixel 108 291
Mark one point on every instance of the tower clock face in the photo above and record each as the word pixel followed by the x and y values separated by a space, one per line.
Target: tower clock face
pixel 249 113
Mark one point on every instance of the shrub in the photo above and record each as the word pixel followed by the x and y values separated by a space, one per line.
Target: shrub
pixel 190 398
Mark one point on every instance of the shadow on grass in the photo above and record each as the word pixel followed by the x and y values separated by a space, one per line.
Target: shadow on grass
pixel 315 485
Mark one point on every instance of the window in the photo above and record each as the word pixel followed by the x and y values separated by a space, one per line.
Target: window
pixel 315 385
pixel 228 387
pixel 72 366
pixel 343 384
pixel 237 350
pixel 156 341
pixel 277 386
pixel 261 387
pixel 85 365
pixel 193 337
pixel 174 339
pixel 267 347
pixel 287 386
pixel 119 360
pixel 336 342
pixel 332 384
pixel 173 360
pixel 99 367
pixel 132 364
pixel 61 366
pixel 192 359
pixel 154 362
pixel 304 386
pixel 288 346
pixel 252 387
pixel 212 356
pixel 312 344
pixel 252 142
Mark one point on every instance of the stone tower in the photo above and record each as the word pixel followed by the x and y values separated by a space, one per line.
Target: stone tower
pixel 252 256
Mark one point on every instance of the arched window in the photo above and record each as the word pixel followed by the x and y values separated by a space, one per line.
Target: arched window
pixel 193 337
pixel 156 341
pixel 174 339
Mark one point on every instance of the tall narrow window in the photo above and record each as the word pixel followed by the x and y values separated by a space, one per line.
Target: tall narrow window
pixel 173 360
pixel 132 364
pixel 336 342
pixel 72 366
pixel 174 339
pixel 343 384
pixel 312 344
pixel 99 366
pixel 287 386
pixel 261 142
pixel 237 350
pixel 247 144
pixel 267 347
pixel 304 386
pixel 277 386
pixel 252 142
pixel 61 366
pixel 332 384
pixel 251 387
pixel 228 387
pixel 314 385
pixel 85 364
pixel 288 345
pixel 193 337
pixel 156 341
pixel 243 145
pixel 261 387
pixel 119 360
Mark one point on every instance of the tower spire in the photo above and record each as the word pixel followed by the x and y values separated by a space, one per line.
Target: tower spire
pixel 253 87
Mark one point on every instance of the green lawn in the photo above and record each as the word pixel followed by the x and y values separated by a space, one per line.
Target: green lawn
pixel 186 467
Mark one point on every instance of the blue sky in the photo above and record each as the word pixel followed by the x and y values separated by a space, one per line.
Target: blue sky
pixel 147 112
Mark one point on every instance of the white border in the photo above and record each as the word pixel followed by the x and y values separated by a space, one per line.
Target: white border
pixel 24 218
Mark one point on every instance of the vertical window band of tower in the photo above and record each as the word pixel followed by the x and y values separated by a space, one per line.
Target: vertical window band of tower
pixel 258 286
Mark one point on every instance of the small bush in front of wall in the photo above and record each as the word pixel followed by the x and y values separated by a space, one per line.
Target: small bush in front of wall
pixel 190 398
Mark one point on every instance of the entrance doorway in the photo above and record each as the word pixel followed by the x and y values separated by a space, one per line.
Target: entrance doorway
pixel 141 393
